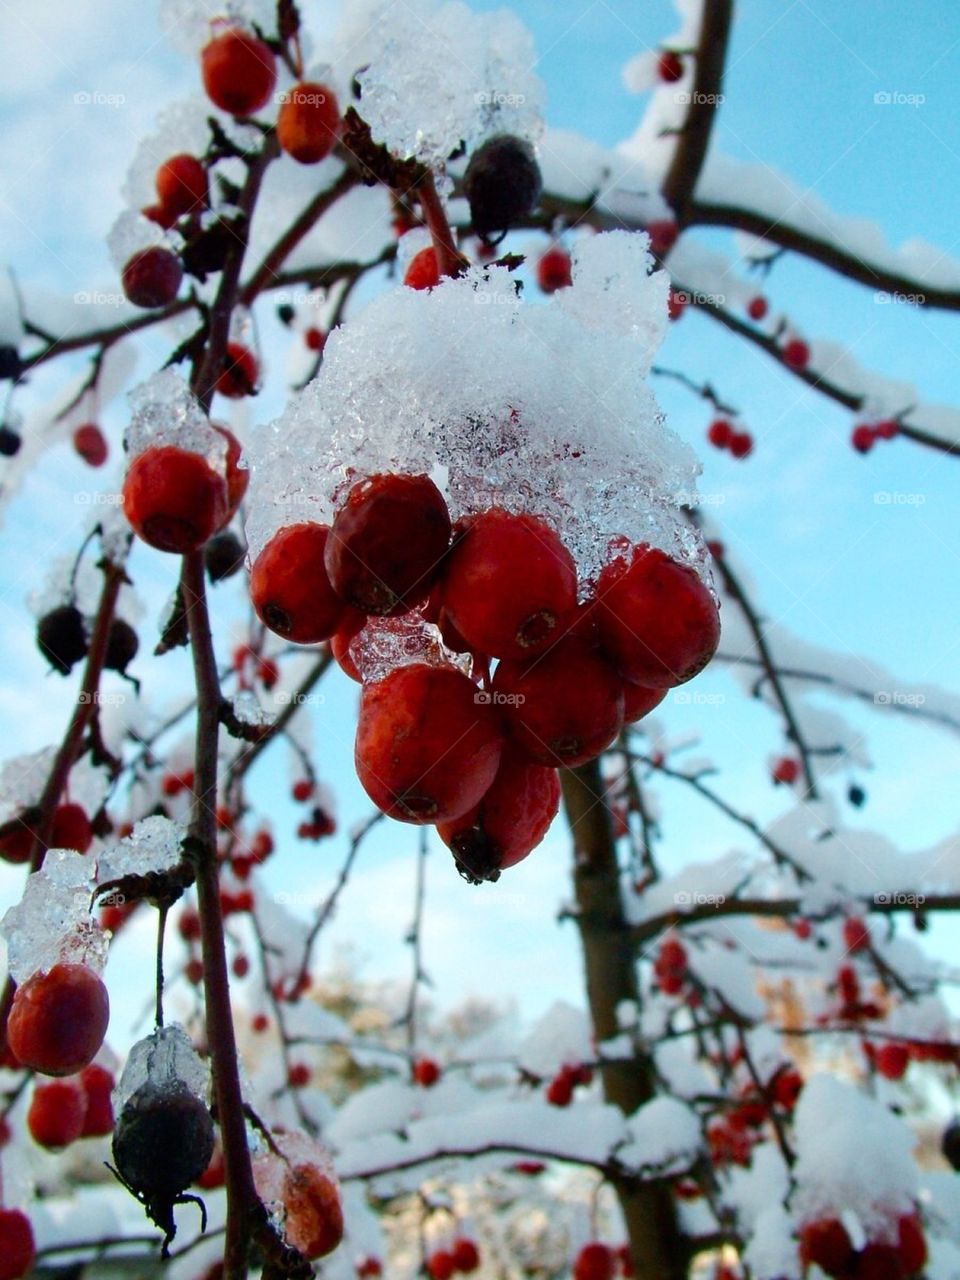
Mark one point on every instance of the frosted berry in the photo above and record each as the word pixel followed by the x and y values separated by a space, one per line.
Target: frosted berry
pixel 502 184
pixel 510 820
pixel 17 1249
pixel 669 66
pixel 62 637
pixel 786 771
pixel 308 122
pixel 239 374
pixel 553 270
pixel 562 707
pixel 425 1072
pixel 313 1220
pixel 223 556
pixel 122 646
pixel 657 621
pixel 369 1268
pixel 827 1244
pixel 423 270
pixel 891 1060
pixel 757 308
pixel 428 747
pixel 97 1083
pixel 387 542
pixel 440 1265
pixel 639 701
pixel 796 354
pixel 17 845
pixel 71 828
pixel 741 444
pixel 173 498
pixel 58 1020
pixel 182 186
pixel 720 433
pixel 57 1112
pixel 239 72
pixel 290 588
pixel 863 437
pixel 466 1255
pixel 595 1261
pixel 151 278
pixel 90 443
pixel 509 585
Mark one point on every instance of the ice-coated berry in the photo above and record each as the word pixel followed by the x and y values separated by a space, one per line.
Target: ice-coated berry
pixel 428 744
pixel 290 587
pixel 97 1083
pixel 223 556
pixel 58 1020
pixel 71 828
pixel 502 184
pixel 313 1221
pixel 387 542
pixel 173 498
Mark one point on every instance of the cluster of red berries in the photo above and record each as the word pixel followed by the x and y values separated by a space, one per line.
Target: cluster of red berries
pixel 463 1256
pixel 866 434
pixel 432 745
pixel 901 1255
pixel 71 829
pixel 175 500
pixel 62 1111
pixel 321 823
pixel 722 434
pixel 559 1092
pixel 852 1006
pixel 670 967
pixel 598 1261
pixel 731 1138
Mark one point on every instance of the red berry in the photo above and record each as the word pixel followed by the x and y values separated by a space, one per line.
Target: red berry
pixel 856 935
pixel 663 234
pixel 848 984
pixel 785 770
pixel 563 707
pixel 369 1268
pixel 289 586
pixel 796 354
pixel 387 542
pixel 802 929
pixel 423 270
pixel 17 844
pixel 911 1243
pixel 97 1083
pixel 17 1250
pixel 595 1261
pixel 669 66
pixel 670 966
pixel 509 585
pixel 440 1265
pixel 193 971
pixel 892 1059
pixel 428 746
pixel 720 433
pixel 639 701
pixel 237 477
pixel 425 1072
pixel 302 789
pixel 151 278
pixel 351 623
pixel 559 1092
pixel 887 429
pixel 878 1262
pixel 174 499
pixel 260 1023
pixel 71 829
pixel 240 372
pixel 162 216
pixel 657 621
pixel 182 186
pixel 90 442
pixel 466 1255
pixel 214 1175
pixel 308 122
pixel 189 926
pixel 241 966
pixel 298 1075
pixel 827 1244
pixel 57 1112
pixel 553 270
pixel 741 444
pixel 239 72
pixel 313 1218
pixel 676 304
pixel 510 820
pixel 315 339
pixel 786 1087
pixel 757 308
pixel 529 1168
pixel 863 437
pixel 58 1020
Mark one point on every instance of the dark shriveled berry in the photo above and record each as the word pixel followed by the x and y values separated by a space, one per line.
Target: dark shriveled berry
pixel 502 184
pixel 223 556
pixel 62 637
pixel 122 646
pixel 10 442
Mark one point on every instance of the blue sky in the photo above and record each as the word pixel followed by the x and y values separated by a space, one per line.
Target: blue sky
pixel 827 560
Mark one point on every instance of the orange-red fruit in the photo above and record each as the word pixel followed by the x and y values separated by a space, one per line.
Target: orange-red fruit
pixel 892 1060
pixel 509 585
pixel 440 1265
pixel 877 1261
pixel 71 829
pixel 369 1268
pixel 182 186
pixel 856 935
pixel 510 820
pixel 827 1244
pixel 308 122
pixel 174 499
pixel 58 1020
pixel 289 586
pixel 657 621
pixel 387 542
pixel 466 1255
pixel 425 1072
pixel 559 1091
pixel 796 354
pixel 428 747
pixel 562 707
pixel 553 270
pixel 669 66
pixel 152 277
pixel 17 1249
pixel 237 477
pixel 239 72
pixel 91 444
pixel 314 1214
pixel 595 1261
pixel 57 1112
pixel 911 1243
pixel 423 270
pixel 240 372
pixel 786 770
pixel 97 1083
pixel 638 701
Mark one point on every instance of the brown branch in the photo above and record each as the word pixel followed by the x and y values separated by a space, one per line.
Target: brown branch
pixel 449 259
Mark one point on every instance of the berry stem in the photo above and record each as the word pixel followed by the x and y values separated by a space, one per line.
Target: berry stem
pixel 449 259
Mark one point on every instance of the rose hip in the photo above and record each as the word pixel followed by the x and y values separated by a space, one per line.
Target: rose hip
pixel 174 499
pixel 289 586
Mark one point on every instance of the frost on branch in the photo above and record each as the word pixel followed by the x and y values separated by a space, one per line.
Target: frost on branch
pixel 52 923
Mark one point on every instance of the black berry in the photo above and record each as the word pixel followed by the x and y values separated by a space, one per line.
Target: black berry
pixel 10 441
pixel 950 1144
pixel 122 646
pixel 502 184
pixel 62 637
pixel 223 556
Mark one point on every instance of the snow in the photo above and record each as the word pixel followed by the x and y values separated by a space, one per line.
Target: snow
pixel 153 846
pixel 165 412
pixel 771 1253
pixel 664 1134
pixel 561 1037
pixel 52 924
pixel 22 779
